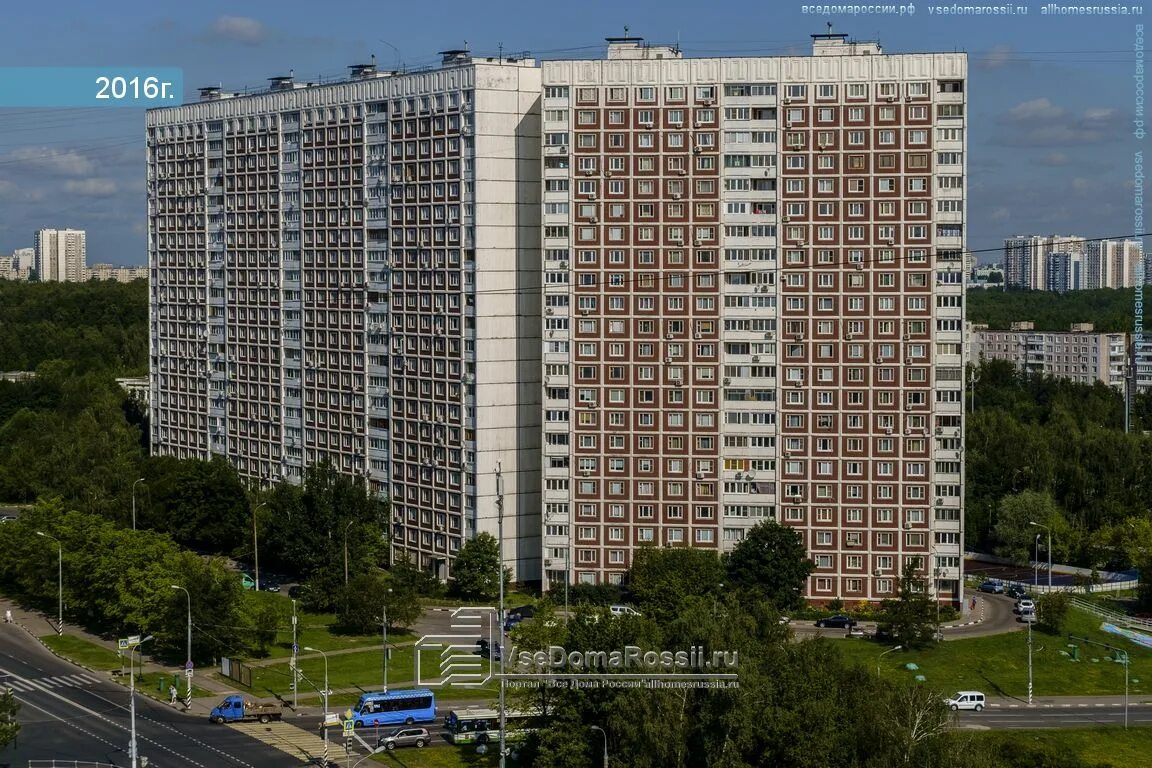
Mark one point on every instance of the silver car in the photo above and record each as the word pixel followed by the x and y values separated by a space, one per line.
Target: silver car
pixel 405 737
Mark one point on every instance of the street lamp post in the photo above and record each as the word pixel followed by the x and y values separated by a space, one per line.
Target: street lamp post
pixel 59 580
pixel 134 502
pixel 1029 663
pixel 1049 530
pixel 500 578
pixel 384 631
pixel 132 749
pixel 325 696
pixel 1036 561
pixel 188 667
pixel 346 528
pixel 605 735
pixel 256 545
pixel 883 655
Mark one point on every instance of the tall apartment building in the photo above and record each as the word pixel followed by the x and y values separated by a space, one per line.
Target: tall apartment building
pixel 753 309
pixel 1070 263
pixel 350 271
pixel 60 255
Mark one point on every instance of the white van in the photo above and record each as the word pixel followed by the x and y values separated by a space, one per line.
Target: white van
pixel 973 700
pixel 623 610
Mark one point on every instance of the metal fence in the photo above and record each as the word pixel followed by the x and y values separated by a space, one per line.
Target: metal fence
pixel 1112 617
pixel 68 764
pixel 237 671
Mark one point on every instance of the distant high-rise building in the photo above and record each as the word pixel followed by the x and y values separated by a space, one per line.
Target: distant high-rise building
pixel 1070 263
pixel 24 258
pixel 118 274
pixel 1112 263
pixel 60 255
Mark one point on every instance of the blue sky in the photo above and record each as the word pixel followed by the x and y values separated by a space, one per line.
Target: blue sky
pixel 1051 97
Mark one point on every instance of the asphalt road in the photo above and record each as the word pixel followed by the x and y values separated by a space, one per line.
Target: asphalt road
pixel 68 713
pixel 1056 716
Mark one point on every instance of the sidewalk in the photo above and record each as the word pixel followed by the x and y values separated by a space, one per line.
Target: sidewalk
pixel 38 625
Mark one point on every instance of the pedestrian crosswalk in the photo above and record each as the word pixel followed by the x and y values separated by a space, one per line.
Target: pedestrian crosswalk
pixel 40 683
pixel 295 741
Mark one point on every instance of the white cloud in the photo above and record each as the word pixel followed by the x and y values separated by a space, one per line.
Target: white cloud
pixel 240 29
pixel 1054 159
pixel 1001 214
pixel 1034 110
pixel 90 187
pixel 998 56
pixel 12 192
pixel 61 162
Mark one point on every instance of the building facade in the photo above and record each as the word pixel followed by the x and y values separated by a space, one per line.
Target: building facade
pixel 118 274
pixel 1080 354
pixel 753 309
pixel 350 272
pixel 60 255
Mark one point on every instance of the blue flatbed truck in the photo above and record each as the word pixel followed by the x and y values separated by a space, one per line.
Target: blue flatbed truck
pixel 235 709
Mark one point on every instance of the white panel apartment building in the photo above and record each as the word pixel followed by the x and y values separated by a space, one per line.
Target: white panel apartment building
pixel 350 272
pixel 753 309
pixel 60 255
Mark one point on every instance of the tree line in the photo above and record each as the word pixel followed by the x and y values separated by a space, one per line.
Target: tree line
pixel 1108 309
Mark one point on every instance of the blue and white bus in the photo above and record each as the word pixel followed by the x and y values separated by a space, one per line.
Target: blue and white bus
pixel 408 706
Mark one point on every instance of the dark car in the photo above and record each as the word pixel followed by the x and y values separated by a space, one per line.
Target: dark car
pixel 513 620
pixel 1016 591
pixel 992 587
pixel 296 591
pixel 524 612
pixel 271 586
pixel 837 622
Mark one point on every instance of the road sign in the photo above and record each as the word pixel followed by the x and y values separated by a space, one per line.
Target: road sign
pixel 122 644
pixel 188 673
pixel 188 666
pixel 295 648
pixel 349 725
pixel 348 714
pixel 133 639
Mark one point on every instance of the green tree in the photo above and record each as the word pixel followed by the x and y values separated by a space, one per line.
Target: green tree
pixel 771 563
pixel 475 571
pixel 911 617
pixel 661 578
pixel 1014 529
pixel 359 605
pixel 200 504
pixel 9 726
pixel 406 577
pixel 912 720
pixel 1052 610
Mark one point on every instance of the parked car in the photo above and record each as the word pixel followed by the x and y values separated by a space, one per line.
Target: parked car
pixel 1016 591
pixel 623 610
pixel 1028 617
pixel 485 647
pixel 405 737
pixel 836 622
pixel 992 587
pixel 973 700
pixel 511 621
pixel 524 612
pixel 1025 605
pixel 295 591
pixel 270 586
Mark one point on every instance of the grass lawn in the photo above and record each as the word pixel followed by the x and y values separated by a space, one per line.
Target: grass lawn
pixel 511 600
pixel 84 652
pixel 998 665
pixel 156 685
pixel 314 630
pixel 362 670
pixel 440 757
pixel 1095 746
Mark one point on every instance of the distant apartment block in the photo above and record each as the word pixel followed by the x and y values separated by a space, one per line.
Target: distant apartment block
pixel 119 274
pixel 1069 263
pixel 753 309
pixel 60 255
pixel 350 272
pixel 1079 354
pixel 11 269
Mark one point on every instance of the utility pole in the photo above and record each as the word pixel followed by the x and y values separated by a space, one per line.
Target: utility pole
pixel 256 545
pixel 1029 663
pixel 59 579
pixel 1120 654
pixel 295 663
pixel 384 627
pixel 132 748
pixel 500 576
pixel 134 502
pixel 188 666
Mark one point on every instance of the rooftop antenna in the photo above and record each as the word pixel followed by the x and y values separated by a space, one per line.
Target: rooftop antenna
pixel 501 59
pixel 399 61
pixel 829 27
pixel 625 30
